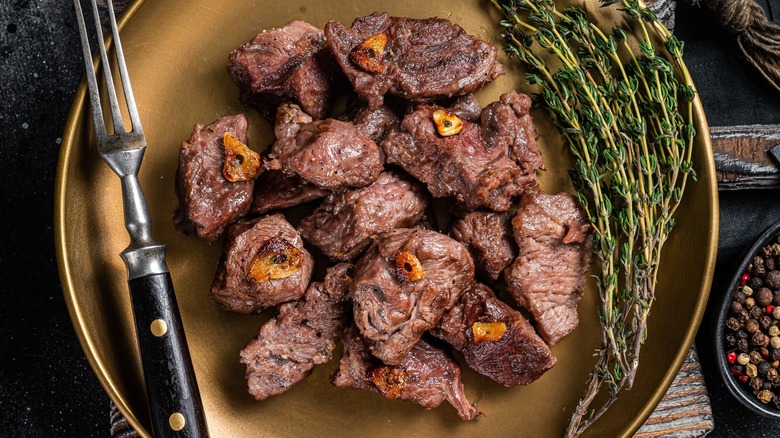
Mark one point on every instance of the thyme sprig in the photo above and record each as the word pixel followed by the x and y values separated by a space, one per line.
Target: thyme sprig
pixel 626 116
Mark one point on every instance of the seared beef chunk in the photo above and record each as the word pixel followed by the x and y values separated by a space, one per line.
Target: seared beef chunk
pixel 327 153
pixel 343 225
pixel 303 334
pixel 488 235
pixel 464 165
pixel 418 60
pixel 375 124
pixel 207 201
pixel 427 375
pixel 274 190
pixel 403 284
pixel 548 277
pixel 466 107
pixel 507 125
pixel 291 63
pixel 496 340
pixel 264 264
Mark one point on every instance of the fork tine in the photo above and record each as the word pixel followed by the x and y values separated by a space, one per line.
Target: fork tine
pixel 120 57
pixel 116 115
pixel 94 94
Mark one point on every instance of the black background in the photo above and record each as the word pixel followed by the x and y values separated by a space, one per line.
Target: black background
pixel 46 386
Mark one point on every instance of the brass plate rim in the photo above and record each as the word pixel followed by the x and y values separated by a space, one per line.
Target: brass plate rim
pixel 79 110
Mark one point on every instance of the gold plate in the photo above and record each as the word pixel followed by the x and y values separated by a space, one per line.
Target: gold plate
pixel 177 53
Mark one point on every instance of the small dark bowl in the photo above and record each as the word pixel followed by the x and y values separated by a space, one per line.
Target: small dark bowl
pixel 739 390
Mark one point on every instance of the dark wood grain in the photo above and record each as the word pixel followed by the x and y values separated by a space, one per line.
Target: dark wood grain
pixel 741 157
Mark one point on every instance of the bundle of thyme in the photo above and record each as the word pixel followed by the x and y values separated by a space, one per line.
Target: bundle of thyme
pixel 626 116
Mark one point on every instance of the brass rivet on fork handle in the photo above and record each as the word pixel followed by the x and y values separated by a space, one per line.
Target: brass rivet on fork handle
pixel 174 401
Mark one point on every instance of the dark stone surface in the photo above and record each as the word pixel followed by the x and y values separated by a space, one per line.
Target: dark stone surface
pixel 46 386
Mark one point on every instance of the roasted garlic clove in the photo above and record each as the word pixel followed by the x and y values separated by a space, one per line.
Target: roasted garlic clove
pixel 389 380
pixel 241 163
pixel 370 54
pixel 447 123
pixel 407 266
pixel 487 331
pixel 276 259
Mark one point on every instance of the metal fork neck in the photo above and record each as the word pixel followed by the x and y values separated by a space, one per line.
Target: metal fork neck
pixel 144 256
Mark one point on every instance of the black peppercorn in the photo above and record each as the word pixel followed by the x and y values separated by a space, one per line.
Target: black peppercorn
pixel 756 282
pixel 738 368
pixel 742 346
pixel 765 321
pixel 766 251
pixel 770 264
pixel 764 296
pixel 736 307
pixel 739 296
pixel 743 316
pixel 756 312
pixel 731 341
pixel 733 324
pixel 758 266
pixel 774 355
pixel 742 334
pixel 759 339
pixel 756 383
pixel 755 357
pixel 763 368
pixel 751 326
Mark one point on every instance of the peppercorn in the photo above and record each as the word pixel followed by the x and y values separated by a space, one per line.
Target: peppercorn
pixel 772 279
pixel 776 401
pixel 776 364
pixel 756 383
pixel 776 313
pixel 744 279
pixel 731 341
pixel 743 378
pixel 747 291
pixel 756 282
pixel 731 357
pixel 758 266
pixel 742 345
pixel 750 302
pixel 751 370
pixel 742 334
pixel 755 357
pixel 736 307
pixel 743 316
pixel 766 251
pixel 771 374
pixel 751 326
pixel 764 296
pixel 774 341
pixel 759 339
pixel 769 309
pixel 739 296
pixel 737 369
pixel 770 265
pixel 773 330
pixel 763 368
pixel 756 312
pixel 743 359
pixel 775 249
pixel 764 352
pixel 765 396
pixel 765 321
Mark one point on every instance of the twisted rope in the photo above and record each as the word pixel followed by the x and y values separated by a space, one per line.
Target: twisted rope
pixel 757 37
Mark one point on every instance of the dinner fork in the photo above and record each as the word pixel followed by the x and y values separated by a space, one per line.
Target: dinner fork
pixel 174 401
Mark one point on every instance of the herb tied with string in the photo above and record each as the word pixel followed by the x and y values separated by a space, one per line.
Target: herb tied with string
pixel 626 116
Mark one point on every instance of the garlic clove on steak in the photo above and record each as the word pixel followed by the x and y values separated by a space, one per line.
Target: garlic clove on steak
pixel 277 259
pixel 241 163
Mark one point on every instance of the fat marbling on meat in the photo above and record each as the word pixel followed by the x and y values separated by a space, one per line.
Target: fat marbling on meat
pixel 291 63
pixel 427 375
pixel 422 59
pixel 483 166
pixel 495 339
pixel 403 284
pixel 303 334
pixel 207 201
pixel 263 264
pixel 554 252
pixel 329 153
pixel 344 224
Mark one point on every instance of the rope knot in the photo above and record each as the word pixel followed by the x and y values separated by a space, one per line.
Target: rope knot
pixel 739 15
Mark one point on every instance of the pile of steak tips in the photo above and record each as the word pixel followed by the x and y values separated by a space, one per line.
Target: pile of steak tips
pixel 402 292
